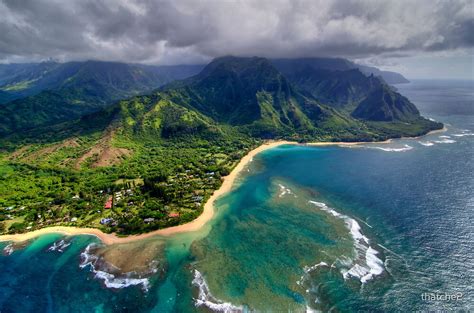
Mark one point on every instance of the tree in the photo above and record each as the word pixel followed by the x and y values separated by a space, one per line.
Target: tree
pixel 16 227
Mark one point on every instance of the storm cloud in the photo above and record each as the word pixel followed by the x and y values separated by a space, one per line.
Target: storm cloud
pixel 170 32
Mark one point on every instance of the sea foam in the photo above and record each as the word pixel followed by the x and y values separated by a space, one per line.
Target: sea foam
pixel 464 134
pixel 445 140
pixel 59 246
pixel 205 298
pixel 366 265
pixel 388 149
pixel 426 143
pixel 111 280
pixel 9 249
pixel 285 191
pixel 310 310
pixel 308 269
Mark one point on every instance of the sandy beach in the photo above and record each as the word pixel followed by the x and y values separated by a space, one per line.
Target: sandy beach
pixel 207 214
pixel 194 225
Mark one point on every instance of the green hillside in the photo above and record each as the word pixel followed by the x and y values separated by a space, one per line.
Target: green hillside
pixel 384 104
pixel 51 93
pixel 160 156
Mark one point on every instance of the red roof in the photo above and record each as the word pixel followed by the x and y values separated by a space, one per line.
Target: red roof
pixel 108 204
pixel 173 215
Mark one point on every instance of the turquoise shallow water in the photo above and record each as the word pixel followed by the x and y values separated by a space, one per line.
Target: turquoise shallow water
pixel 271 249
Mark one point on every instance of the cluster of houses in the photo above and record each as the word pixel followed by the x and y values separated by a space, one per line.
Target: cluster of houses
pixel 120 195
pixel 117 197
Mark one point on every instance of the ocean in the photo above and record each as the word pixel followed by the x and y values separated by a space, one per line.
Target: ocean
pixel 376 227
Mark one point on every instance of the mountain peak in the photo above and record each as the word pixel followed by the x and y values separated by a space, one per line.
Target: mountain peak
pixel 236 64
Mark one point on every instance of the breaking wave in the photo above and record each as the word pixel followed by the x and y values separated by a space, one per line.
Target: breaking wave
pixel 464 133
pixel 403 149
pixel 366 265
pixel 285 191
pixel 205 298
pixel 59 246
pixel 110 280
pixel 445 139
pixel 308 269
pixel 310 310
pixel 9 249
pixel 426 143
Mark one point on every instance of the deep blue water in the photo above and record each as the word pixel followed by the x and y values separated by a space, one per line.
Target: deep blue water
pixel 412 198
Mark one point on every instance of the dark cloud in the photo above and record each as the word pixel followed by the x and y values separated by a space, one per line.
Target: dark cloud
pixel 179 31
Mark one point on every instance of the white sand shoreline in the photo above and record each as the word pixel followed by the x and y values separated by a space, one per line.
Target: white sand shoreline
pixel 199 222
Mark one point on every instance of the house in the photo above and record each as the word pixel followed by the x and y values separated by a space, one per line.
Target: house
pixel 108 204
pixel 173 214
pixel 198 198
pixel 106 221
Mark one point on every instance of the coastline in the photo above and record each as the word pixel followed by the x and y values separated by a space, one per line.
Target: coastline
pixel 196 224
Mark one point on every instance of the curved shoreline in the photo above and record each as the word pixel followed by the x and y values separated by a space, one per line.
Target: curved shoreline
pixel 206 215
pixel 200 221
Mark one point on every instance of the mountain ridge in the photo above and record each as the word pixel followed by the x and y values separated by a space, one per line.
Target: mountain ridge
pixel 77 88
pixel 252 94
pixel 165 152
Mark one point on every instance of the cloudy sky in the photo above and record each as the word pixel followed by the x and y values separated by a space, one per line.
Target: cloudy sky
pixel 417 38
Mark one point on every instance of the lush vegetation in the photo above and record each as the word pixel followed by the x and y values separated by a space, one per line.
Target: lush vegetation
pixel 48 93
pixel 161 185
pixel 152 161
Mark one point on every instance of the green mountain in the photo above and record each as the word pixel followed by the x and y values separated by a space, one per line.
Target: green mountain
pixel 240 91
pixel 27 79
pixel 362 96
pixel 252 94
pixel 340 88
pixel 61 92
pixel 157 117
pixel 384 104
pixel 268 98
